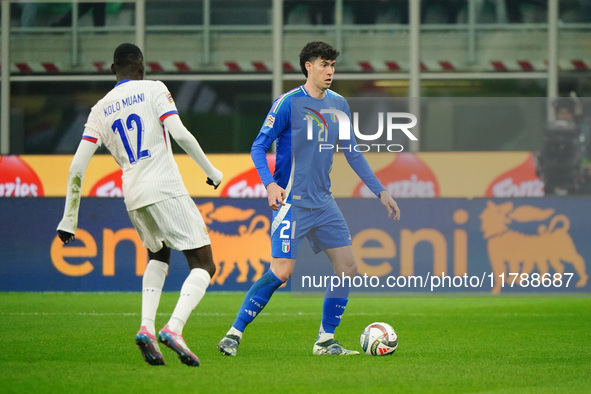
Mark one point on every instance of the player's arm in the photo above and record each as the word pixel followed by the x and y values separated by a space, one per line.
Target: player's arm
pixel 69 223
pixel 364 171
pixel 189 143
pixel 276 122
pixel 258 153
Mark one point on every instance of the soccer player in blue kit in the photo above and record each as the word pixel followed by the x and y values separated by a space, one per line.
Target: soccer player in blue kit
pixel 299 194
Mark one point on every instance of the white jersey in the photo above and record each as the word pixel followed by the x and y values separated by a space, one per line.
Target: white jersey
pixel 129 121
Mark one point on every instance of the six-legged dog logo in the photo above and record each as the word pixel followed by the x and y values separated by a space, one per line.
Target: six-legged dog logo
pixel 248 248
pixel 512 251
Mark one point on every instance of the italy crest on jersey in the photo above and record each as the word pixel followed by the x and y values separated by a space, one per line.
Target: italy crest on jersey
pixel 285 246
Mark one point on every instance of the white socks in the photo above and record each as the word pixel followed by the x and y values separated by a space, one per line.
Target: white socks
pixel 323 335
pixel 192 292
pixel 234 331
pixel 152 283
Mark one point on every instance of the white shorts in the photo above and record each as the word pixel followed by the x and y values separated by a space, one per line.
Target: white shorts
pixel 176 221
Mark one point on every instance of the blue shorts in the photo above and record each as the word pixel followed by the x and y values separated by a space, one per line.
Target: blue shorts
pixel 324 227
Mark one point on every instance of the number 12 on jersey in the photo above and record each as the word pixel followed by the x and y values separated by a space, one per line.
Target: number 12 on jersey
pixel 133 123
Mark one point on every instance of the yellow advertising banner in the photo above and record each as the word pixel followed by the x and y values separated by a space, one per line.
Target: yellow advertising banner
pixel 405 175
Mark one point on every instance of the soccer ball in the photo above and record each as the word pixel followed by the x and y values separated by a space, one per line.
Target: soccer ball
pixel 379 339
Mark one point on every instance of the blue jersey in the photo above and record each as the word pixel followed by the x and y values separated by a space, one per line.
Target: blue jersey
pixel 307 137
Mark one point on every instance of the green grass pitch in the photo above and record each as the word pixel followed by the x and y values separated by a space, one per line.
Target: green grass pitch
pixel 84 342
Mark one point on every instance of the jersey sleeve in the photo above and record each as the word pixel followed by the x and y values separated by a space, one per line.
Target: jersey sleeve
pixel 278 118
pixel 92 128
pixel 358 162
pixel 69 222
pixel 258 153
pixel 276 122
pixel 364 171
pixel 163 102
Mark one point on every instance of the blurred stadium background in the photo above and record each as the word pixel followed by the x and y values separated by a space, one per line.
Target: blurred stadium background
pixel 224 60
pixel 485 72
pixel 477 67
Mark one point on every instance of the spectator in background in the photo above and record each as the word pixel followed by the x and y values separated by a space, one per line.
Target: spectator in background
pixel 319 12
pixel 564 110
pixel 564 162
pixel 567 109
pixel 585 9
pixel 28 14
pixel 441 11
pixel 378 11
pixel 575 11
pixel 98 14
pixel 526 11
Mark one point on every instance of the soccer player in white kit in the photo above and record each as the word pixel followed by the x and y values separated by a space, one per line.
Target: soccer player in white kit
pixel 135 121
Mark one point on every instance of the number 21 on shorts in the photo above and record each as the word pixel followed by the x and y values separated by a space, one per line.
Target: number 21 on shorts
pixel 284 235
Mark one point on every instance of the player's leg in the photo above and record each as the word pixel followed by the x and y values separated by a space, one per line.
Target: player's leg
pixel 336 296
pixel 332 235
pixel 184 229
pixel 256 299
pixel 152 284
pixel 260 293
pixel 282 250
pixel 192 291
pixel 202 268
pixel 335 302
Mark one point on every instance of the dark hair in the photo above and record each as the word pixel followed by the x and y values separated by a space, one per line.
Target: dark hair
pixel 314 50
pixel 127 55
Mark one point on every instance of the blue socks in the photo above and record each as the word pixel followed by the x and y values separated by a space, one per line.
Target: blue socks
pixel 257 297
pixel 335 301
pixel 332 312
pixel 333 307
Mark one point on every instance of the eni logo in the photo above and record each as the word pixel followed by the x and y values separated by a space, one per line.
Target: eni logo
pixel 511 251
pixel 246 249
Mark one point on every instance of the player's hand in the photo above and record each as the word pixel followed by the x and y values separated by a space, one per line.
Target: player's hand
pixel 215 178
pixel 65 236
pixel 275 196
pixel 212 183
pixel 391 206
